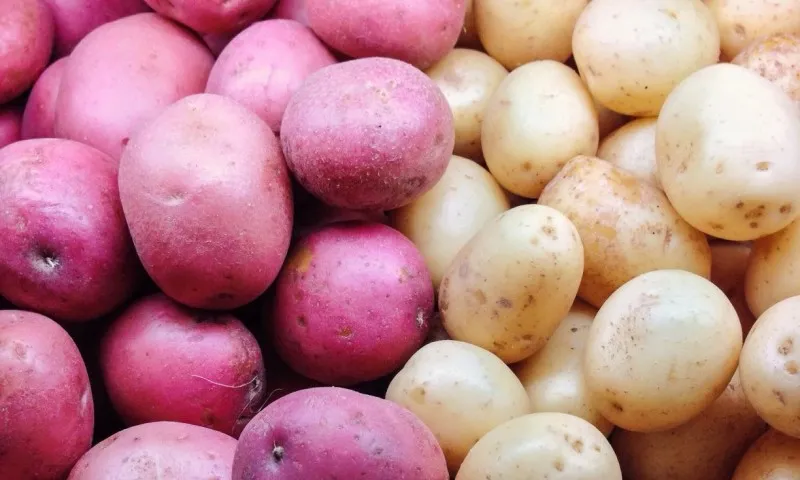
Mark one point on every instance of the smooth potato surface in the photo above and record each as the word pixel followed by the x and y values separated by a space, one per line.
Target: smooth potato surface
pixel 772 269
pixel 632 147
pixel 774 456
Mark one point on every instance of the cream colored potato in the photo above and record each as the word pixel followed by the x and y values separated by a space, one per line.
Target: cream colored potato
pixel 773 273
pixel 633 147
pixel 469 33
pixel 708 447
pixel 460 392
pixel 727 147
pixel 773 456
pixel 608 120
pixel 743 21
pixel 632 53
pixel 510 286
pixel 553 376
pixel 540 117
pixel 661 349
pixel 729 264
pixel 626 225
pixel 468 79
pixel 776 58
pixel 554 446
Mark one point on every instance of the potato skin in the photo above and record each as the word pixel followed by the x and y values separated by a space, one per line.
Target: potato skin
pixel 48 410
pixel 741 22
pixel 10 125
pixel 774 456
pixel 776 58
pixel 25 46
pixel 212 16
pixel 291 10
pixel 38 119
pixel 771 271
pixel 632 147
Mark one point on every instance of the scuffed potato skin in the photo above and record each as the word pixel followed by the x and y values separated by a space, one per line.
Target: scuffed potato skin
pixel 776 58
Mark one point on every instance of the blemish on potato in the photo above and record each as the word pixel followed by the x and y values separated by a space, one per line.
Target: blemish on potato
pixel 779 395
pixel 480 296
pixel 558 464
pixel 504 303
pixel 762 166
pixel 786 347
pixel 301 261
pixel 791 367
pixel 302 321
pixel 345 332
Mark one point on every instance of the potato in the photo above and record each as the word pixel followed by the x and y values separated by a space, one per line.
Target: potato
pixel 515 33
pixel 10 125
pixel 291 10
pixel 468 79
pixel 715 184
pixel 708 447
pixel 469 32
pixel 771 272
pixel 553 376
pixel 445 218
pixel 729 264
pixel 556 446
pixel 661 349
pixel 513 282
pixel 540 117
pixel 40 110
pixel 739 301
pixel 632 54
pixel 47 406
pixel 25 46
pixel 773 456
pixel 632 147
pixel 212 16
pixel 368 134
pixel 608 120
pixel 340 434
pixel 460 392
pixel 626 225
pixel 741 22
pixel 776 58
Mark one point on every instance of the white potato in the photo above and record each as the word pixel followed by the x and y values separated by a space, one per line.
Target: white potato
pixel 773 272
pixel 743 21
pixel 632 147
pixel 774 456
pixel 776 58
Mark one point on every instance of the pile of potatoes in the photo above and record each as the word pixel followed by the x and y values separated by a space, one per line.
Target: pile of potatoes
pixel 399 240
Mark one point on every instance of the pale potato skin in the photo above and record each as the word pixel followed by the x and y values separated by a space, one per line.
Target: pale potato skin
pixel 661 350
pixel 555 446
pixel 728 161
pixel 772 271
pixel 460 392
pixel 743 21
pixel 516 279
pixel 774 456
pixel 25 46
pixel 622 221
pixel 776 58
pixel 540 117
pixel 632 53
pixel 468 79
pixel 446 217
pixel 729 264
pixel 633 147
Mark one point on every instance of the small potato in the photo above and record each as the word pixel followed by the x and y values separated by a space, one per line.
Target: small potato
pixel 446 217
pixel 469 32
pixel 468 79
pixel 460 392
pixel 776 58
pixel 772 271
pixel 553 376
pixel 555 446
pixel 728 161
pixel 627 226
pixel 774 456
pixel 661 350
pixel 633 53
pixel 25 45
pixel 743 21
pixel 540 117
pixel 729 264
pixel 40 110
pixel 632 147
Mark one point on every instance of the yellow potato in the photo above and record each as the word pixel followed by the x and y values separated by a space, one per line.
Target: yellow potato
pixel 553 376
pixel 729 264
pixel 727 146
pixel 632 53
pixel 772 271
pixel 661 349
pixel 773 456
pixel 627 226
pixel 555 446
pixel 633 147
pixel 511 285
pixel 467 78
pixel 469 33
pixel 743 21
pixel 446 217
pixel 460 392
pixel 540 117
pixel 776 58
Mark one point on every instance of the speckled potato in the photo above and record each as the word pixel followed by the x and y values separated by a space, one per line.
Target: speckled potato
pixel 776 58
pixel 633 53
pixel 743 21
pixel 556 446
pixel 510 286
pixel 773 456
pixel 627 226
pixel 728 161
pixel 772 271
pixel 460 392
pixel 633 147
pixel 540 117
pixel 729 264
pixel 553 376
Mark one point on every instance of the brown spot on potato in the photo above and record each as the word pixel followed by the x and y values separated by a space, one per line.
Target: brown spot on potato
pixel 20 351
pixel 786 347
pixel 753 224
pixel 719 168
pixel 788 207
pixel 345 332
pixel 527 166
pixel 558 464
pixel 762 166
pixel 740 30
pixel 577 445
pixel 757 212
pixel 504 303
pixel 716 226
pixel 616 406
pixel 417 394
pixel 301 320
pixel 740 205
pixel 208 417
pixel 779 395
pixel 791 367
pixel 404 275
pixel 302 260
pixel 480 296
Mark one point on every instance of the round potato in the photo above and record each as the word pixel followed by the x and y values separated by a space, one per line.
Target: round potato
pixel 771 273
pixel 776 58
pixel 774 456
pixel 728 161
pixel 632 147
pixel 633 53
pixel 540 117
pixel 661 349
pixel 556 446
pixel 510 286
pixel 743 21
pixel 553 376
pixel 469 32
pixel 729 264
pixel 622 221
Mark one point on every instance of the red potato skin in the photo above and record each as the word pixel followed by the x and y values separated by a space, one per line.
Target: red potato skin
pixel 291 10
pixel 337 434
pixel 213 16
pixel 25 45
pixel 65 250
pixel 40 110
pixel 47 410
pixel 10 125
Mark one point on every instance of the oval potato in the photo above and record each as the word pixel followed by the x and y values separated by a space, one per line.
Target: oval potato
pixel 774 456
pixel 776 58
pixel 632 147
pixel 771 272
pixel 743 21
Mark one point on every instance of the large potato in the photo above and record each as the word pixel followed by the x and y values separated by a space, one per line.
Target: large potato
pixel 627 226
pixel 40 110
pixel 632 147
pixel 661 350
pixel 212 16
pixel 25 45
pixel 743 21
pixel 774 456
pixel 728 160
pixel 772 270
pixel 540 117
pixel 776 58
pixel 633 53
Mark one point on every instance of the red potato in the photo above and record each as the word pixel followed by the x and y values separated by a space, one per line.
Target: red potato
pixel 65 250
pixel 263 66
pixel 147 63
pixel 217 42
pixel 40 111
pixel 338 434
pixel 291 10
pixel 10 125
pixel 25 45
pixel 46 406
pixel 213 16
pixel 367 134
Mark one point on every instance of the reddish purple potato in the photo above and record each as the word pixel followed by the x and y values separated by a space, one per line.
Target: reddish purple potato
pixel 25 45
pixel 10 125
pixel 291 10
pixel 217 42
pixel 40 110
pixel 159 450
pixel 65 250
pixel 208 201
pixel 213 16
pixel 352 303
pixel 368 134
pixel 162 361
pixel 46 406
pixel 337 434
pixel 147 64
pixel 263 66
